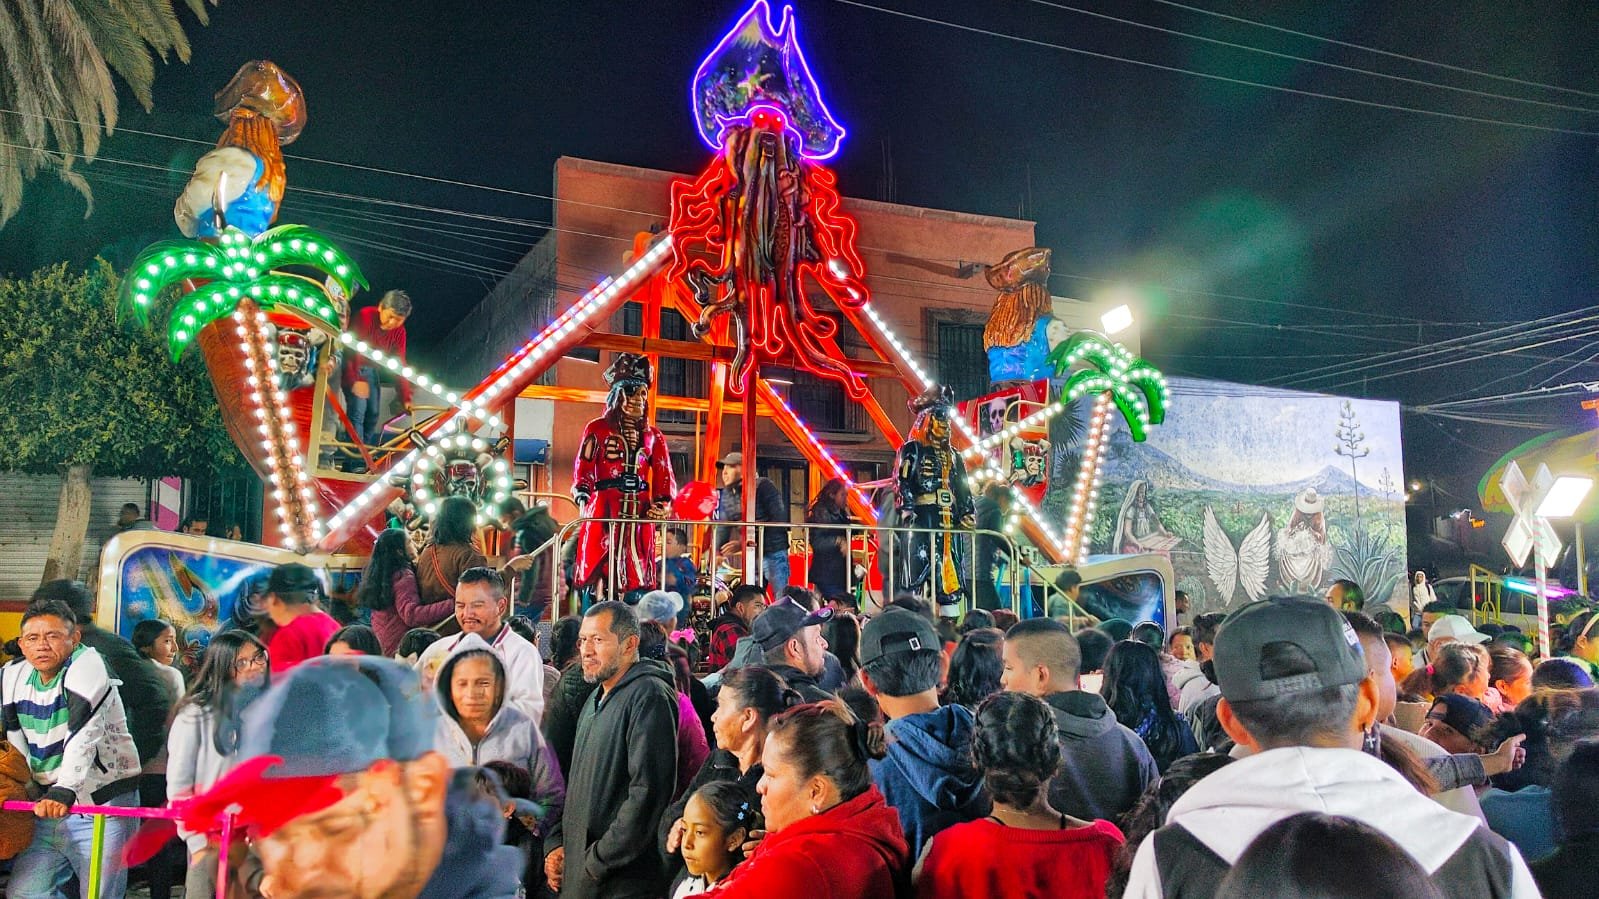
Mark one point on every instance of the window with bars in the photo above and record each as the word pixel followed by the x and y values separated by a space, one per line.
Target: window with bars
pixel 961 362
pixel 676 377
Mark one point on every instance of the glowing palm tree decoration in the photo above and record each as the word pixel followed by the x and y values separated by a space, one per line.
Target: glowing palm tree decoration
pixel 236 278
pixel 1138 391
pixel 1137 388
pixel 239 268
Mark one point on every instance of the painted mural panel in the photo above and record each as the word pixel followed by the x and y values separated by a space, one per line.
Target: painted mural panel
pixel 1254 492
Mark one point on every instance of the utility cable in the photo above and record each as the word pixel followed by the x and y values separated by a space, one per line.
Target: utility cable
pixel 1380 52
pixel 1422 82
pixel 1244 82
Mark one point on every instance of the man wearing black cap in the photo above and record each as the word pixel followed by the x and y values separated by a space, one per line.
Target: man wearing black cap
pixel 790 636
pixel 340 792
pixel 1296 692
pixel 927 775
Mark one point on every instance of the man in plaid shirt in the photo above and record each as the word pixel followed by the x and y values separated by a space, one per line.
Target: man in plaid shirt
pixel 747 602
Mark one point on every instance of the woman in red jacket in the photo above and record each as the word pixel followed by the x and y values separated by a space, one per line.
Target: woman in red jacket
pixel 830 834
pixel 1026 848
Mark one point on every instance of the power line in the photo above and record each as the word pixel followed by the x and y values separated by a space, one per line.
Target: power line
pixel 1315 62
pixel 1244 82
pixel 1463 342
pixel 1477 358
pixel 1380 52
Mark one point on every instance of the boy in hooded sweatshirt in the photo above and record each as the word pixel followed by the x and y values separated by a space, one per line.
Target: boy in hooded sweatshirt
pixel 1296 692
pixel 927 775
pixel 478 726
pixel 1104 765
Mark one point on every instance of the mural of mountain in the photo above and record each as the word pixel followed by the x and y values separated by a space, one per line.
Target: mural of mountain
pixel 1302 532
pixel 1128 461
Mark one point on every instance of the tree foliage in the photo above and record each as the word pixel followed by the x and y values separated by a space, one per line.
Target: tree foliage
pixel 56 62
pixel 77 385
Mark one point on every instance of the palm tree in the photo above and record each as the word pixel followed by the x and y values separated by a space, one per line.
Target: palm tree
pixel 56 92
pixel 1137 388
pixel 239 268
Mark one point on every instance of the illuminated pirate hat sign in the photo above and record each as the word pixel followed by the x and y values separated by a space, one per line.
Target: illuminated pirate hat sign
pixel 756 67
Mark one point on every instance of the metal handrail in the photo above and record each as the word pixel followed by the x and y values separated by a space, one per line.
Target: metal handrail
pixel 756 528
pixel 97 838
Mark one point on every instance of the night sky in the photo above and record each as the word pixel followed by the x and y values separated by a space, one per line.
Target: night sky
pixel 1269 232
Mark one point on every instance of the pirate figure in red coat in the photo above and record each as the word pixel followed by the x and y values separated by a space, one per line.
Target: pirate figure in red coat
pixel 933 494
pixel 622 473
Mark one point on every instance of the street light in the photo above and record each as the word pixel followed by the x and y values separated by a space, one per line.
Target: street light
pixel 1118 319
pixel 1564 496
pixel 1534 503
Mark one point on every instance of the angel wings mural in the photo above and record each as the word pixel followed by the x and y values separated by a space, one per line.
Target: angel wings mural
pixel 1246 566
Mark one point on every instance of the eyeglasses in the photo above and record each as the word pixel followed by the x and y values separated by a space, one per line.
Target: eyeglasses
pixel 259 660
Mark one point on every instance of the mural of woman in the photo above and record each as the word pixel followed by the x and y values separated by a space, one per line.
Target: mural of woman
pixel 1138 525
pixel 1303 552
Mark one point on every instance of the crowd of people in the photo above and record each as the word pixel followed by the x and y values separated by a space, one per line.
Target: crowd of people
pixel 796 748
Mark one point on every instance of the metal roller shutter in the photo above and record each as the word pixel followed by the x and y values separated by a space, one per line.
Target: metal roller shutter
pixel 28 516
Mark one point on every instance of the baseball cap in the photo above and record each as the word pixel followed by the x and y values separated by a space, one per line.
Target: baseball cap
pixel 730 459
pixel 1314 627
pixel 896 630
pixel 1458 627
pixel 660 605
pixel 1464 714
pixel 326 718
pixel 783 620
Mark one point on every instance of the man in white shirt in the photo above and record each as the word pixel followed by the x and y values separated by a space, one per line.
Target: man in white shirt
pixel 480 608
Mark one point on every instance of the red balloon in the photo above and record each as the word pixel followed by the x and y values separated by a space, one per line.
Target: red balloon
pixel 695 502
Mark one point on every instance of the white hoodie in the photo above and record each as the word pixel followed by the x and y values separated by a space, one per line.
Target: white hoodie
pixel 1229 808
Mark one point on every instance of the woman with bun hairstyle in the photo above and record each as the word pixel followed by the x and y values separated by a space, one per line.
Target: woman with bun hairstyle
pixel 830 834
pixel 1026 848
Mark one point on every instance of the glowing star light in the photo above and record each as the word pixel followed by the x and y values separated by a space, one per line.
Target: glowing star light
pixel 756 65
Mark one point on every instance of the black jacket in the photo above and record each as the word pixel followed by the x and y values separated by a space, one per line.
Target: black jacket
pixel 1569 873
pixel 1104 767
pixel 561 714
pixel 769 506
pixel 623 773
pixel 146 696
pixel 808 688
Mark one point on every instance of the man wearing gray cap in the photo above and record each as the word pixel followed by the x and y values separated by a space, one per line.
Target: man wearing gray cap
pixel 790 637
pixel 1296 692
pixel 769 507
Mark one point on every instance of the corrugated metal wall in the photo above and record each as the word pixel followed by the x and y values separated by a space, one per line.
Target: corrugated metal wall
pixel 28 516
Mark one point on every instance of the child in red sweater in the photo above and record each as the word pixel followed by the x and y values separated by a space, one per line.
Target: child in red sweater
pixel 1025 848
pixel 303 629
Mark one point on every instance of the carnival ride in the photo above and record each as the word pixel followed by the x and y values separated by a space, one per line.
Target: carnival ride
pixel 758 253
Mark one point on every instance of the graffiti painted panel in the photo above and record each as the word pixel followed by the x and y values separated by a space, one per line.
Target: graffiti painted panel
pixel 1254 492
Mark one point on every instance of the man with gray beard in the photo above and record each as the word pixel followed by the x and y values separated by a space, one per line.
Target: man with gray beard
pixel 623 771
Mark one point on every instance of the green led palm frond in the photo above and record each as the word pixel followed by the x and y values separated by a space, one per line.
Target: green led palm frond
pixel 1137 388
pixel 288 245
pixel 163 265
pixel 235 268
pixel 218 299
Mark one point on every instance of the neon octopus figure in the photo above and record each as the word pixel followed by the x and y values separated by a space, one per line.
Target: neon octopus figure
pixel 764 217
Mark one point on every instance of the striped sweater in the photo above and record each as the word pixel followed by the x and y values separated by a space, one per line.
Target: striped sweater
pixel 72 729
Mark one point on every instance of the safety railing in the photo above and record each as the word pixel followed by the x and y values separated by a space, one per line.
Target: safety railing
pixel 1486 596
pixel 99 814
pixel 874 548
